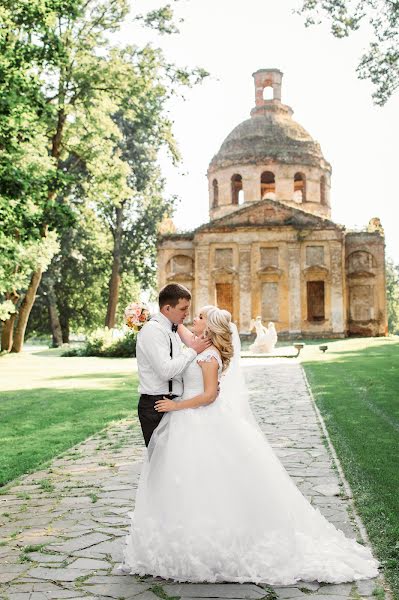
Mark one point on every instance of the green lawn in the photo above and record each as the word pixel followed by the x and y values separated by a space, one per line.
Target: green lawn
pixel 49 403
pixel 356 387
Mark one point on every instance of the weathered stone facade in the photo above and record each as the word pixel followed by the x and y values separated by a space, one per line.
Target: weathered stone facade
pixel 270 248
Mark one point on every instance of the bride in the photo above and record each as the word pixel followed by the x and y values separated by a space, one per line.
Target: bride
pixel 214 503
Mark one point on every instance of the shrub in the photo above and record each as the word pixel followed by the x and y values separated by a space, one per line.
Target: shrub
pixel 97 342
pixel 72 352
pixel 123 347
pixel 100 343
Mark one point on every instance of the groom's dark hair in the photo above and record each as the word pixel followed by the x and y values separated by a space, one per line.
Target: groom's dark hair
pixel 172 293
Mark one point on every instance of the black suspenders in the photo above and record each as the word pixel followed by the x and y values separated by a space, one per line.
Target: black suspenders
pixel 170 383
pixel 171 356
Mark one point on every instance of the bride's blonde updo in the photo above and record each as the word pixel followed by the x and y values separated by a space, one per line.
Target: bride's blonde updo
pixel 219 331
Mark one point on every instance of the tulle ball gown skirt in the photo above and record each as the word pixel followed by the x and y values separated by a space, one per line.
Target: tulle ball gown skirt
pixel 214 504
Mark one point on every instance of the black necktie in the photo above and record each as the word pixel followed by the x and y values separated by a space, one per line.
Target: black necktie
pixel 174 327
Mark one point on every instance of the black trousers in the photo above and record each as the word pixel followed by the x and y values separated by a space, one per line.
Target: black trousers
pixel 148 416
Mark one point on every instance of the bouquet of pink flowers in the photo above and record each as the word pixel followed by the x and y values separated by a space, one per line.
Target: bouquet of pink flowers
pixel 136 314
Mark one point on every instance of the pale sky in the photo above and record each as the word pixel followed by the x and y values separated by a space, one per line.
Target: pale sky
pixel 232 40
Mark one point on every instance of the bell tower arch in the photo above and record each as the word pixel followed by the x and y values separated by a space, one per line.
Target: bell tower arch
pixel 267 78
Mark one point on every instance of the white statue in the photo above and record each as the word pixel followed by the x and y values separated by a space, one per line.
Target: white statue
pixel 266 337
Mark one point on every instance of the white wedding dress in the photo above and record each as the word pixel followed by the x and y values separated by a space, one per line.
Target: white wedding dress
pixel 215 504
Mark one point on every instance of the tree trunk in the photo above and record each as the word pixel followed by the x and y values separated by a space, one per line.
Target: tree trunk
pixel 113 294
pixel 7 331
pixel 24 311
pixel 7 334
pixel 64 320
pixel 115 280
pixel 53 312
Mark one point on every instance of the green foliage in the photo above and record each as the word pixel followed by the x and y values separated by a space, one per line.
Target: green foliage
pixel 82 121
pixel 123 347
pixel 161 19
pixel 392 276
pixel 129 291
pixel 80 273
pixel 380 63
pixel 145 129
pixel 7 308
pixel 26 169
pixel 97 342
pixel 101 343
pixel 57 130
pixel 18 260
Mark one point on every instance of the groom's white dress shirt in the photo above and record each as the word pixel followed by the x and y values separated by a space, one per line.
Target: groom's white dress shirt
pixel 154 364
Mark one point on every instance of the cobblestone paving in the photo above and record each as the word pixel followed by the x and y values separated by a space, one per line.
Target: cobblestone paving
pixel 63 527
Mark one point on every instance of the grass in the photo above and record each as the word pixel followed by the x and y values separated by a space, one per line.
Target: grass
pixel 356 387
pixel 158 590
pixel 48 404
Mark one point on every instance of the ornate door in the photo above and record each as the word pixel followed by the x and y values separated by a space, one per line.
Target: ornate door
pixel 224 296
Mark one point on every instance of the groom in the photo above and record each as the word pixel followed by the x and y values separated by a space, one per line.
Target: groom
pixel 160 356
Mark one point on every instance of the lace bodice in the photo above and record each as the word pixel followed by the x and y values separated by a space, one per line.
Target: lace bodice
pixel 193 382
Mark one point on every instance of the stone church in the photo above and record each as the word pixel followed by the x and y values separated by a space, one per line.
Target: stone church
pixel 270 247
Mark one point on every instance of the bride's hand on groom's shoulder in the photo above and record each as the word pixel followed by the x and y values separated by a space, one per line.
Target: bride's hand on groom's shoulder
pixel 165 405
pixel 199 344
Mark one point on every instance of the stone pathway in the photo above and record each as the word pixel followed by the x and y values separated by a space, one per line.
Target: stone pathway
pixel 63 527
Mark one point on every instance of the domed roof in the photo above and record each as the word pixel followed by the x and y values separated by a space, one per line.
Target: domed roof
pixel 270 134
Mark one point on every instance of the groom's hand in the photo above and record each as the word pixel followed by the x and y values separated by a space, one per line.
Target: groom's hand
pixel 200 344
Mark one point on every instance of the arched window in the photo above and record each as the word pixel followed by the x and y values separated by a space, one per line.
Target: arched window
pixel 299 187
pixel 323 198
pixel 236 188
pixel 268 93
pixel 267 185
pixel 179 264
pixel 215 198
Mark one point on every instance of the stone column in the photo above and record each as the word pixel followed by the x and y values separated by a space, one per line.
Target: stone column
pixel 201 278
pixel 312 190
pixel 337 288
pixel 294 287
pixel 224 184
pixel 284 189
pixel 251 187
pixel 161 266
pixel 245 288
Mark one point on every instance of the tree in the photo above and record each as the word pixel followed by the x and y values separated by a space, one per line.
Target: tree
pixel 392 275
pixel 73 82
pixel 145 129
pixel 78 275
pixel 79 85
pixel 19 259
pixel 380 63
pixel 26 169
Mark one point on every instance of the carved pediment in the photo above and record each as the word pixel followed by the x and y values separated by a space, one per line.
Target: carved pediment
pixel 179 276
pixel 270 271
pixel 224 269
pixel 313 269
pixel 360 274
pixel 268 213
